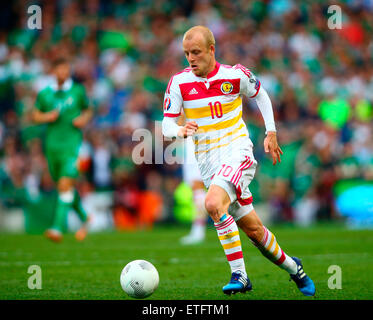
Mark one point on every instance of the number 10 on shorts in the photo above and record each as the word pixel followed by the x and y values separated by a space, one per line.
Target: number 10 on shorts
pixel 234 173
pixel 225 171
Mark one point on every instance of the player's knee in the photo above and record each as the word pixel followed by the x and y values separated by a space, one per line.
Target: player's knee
pixel 212 205
pixel 65 184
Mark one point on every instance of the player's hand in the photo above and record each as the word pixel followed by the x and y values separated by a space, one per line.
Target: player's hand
pixel 52 116
pixel 79 122
pixel 271 146
pixel 188 130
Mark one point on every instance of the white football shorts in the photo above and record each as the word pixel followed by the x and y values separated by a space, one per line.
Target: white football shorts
pixel 234 176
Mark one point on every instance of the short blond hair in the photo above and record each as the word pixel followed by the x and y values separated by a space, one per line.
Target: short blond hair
pixel 204 31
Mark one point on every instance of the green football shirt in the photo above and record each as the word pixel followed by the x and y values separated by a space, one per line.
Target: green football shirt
pixel 62 135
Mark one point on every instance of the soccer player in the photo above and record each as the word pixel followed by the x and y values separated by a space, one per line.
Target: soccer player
pixel 210 94
pixel 192 177
pixel 63 106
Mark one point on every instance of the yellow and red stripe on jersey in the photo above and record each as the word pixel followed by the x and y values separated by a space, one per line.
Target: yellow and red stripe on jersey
pixel 220 125
pixel 211 141
pixel 221 145
pixel 203 112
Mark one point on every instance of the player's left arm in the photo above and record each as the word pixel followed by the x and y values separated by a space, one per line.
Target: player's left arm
pixel 86 114
pixel 270 142
pixel 82 120
pixel 251 87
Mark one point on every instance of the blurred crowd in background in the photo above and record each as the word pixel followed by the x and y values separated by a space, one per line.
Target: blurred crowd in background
pixel 124 52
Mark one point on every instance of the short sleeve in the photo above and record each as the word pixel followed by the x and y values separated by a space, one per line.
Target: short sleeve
pixel 249 85
pixel 39 102
pixel 173 101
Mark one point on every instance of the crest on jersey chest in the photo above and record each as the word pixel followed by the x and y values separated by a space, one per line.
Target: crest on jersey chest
pixel 64 104
pixel 69 101
pixel 226 87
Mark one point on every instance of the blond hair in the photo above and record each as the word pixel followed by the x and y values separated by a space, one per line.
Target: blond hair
pixel 204 31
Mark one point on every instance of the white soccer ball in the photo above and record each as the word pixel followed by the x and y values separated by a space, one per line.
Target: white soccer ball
pixel 139 279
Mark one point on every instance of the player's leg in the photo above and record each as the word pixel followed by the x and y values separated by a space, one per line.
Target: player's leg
pixel 71 170
pixel 217 203
pixel 68 198
pixel 198 229
pixel 192 176
pixel 247 219
pixel 199 223
pixel 55 232
pixel 86 219
pixel 65 199
pixel 267 243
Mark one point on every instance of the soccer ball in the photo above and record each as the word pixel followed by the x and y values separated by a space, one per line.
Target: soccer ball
pixel 139 279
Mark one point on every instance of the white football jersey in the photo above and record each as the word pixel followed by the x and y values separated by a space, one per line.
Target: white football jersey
pixel 215 104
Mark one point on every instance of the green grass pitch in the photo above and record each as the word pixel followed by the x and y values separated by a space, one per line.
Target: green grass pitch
pixel 91 269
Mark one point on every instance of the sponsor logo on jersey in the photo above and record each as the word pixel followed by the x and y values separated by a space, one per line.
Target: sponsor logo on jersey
pixel 193 91
pixel 167 104
pixel 256 84
pixel 69 101
pixel 226 87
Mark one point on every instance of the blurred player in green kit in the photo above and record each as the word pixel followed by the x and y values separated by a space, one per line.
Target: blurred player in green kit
pixel 63 106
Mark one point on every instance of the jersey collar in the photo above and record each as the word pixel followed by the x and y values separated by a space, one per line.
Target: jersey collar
pixel 65 87
pixel 215 71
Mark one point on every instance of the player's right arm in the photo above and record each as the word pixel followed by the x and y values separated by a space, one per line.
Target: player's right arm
pixel 39 116
pixel 172 104
pixel 44 117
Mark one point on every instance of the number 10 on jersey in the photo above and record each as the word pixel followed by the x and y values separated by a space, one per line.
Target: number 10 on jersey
pixel 216 109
